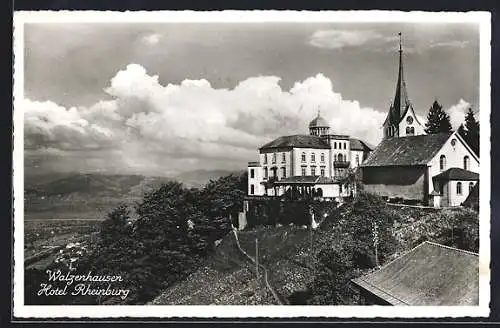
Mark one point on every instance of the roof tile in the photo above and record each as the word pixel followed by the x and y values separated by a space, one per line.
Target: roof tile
pixel 429 274
pixel 413 150
pixel 297 141
pixel 456 173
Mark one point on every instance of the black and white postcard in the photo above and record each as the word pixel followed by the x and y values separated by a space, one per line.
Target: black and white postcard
pixel 237 164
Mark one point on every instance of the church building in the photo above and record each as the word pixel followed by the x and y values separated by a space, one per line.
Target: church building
pixel 439 170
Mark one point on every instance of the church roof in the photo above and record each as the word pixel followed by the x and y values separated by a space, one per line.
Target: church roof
pixel 297 141
pixel 356 144
pixel 429 274
pixel 456 173
pixel 319 122
pixel 406 151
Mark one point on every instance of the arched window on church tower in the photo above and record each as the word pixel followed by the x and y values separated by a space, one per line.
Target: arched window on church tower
pixel 466 163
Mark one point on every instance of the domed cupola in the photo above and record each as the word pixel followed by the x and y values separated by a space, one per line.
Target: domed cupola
pixel 319 126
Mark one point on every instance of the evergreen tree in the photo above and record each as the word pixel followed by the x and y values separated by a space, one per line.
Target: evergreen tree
pixel 472 131
pixel 438 121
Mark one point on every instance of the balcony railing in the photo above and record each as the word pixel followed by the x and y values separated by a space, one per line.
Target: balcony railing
pixel 340 163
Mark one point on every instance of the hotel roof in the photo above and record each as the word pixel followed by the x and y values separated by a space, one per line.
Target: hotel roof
pixel 297 141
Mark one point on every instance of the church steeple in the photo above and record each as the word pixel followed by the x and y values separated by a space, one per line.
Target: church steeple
pixel 401 104
pixel 401 101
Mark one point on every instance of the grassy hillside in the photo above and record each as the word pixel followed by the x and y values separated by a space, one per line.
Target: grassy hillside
pixel 227 278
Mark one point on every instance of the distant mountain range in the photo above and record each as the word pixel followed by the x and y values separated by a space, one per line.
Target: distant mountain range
pixel 106 184
pixel 91 195
pixel 198 178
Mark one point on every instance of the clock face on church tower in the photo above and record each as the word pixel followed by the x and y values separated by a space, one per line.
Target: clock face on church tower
pixel 409 120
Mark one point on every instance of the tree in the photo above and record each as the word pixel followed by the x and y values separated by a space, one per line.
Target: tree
pixel 472 131
pixel 369 215
pixel 438 121
pixel 334 270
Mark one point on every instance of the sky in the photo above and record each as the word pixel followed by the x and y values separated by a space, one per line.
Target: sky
pixel 161 99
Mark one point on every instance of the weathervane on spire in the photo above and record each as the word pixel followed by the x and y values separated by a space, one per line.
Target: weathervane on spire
pixel 400 42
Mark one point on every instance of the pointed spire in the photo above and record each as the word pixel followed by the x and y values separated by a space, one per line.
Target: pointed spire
pixel 400 42
pixel 401 101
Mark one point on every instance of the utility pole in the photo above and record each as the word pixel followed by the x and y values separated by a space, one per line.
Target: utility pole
pixel 311 230
pixel 257 257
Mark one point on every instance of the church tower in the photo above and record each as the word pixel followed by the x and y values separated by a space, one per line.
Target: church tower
pixel 401 120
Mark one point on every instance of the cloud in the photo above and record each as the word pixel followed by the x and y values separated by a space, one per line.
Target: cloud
pixel 457 113
pixel 336 39
pixel 451 44
pixel 152 128
pixel 151 39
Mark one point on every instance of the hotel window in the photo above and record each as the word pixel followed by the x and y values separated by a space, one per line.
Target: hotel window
pixel 345 145
pixel 303 157
pixel 252 173
pixel 442 162
pixel 471 185
pixel 466 163
pixel 303 170
pixel 283 157
pixel 252 189
pixel 340 158
pixel 459 188
pixel 313 157
pixel 322 157
pixel 335 145
pixel 265 173
pixel 265 158
pixel 322 171
pixel 357 160
pixel 313 170
pixel 274 157
pixel 283 172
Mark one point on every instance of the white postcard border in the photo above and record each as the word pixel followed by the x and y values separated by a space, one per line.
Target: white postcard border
pixel 483 19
